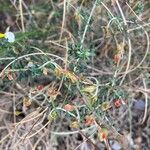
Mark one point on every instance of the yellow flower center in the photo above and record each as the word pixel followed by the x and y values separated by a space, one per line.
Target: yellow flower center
pixel 2 35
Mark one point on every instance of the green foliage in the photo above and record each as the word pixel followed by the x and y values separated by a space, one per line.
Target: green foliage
pixel 76 58
pixel 139 8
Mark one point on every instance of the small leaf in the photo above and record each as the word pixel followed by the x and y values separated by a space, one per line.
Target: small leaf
pixel 105 106
pixel 58 72
pixel 17 113
pixel 10 75
pixel 117 58
pixel 119 53
pixel 27 102
pixel 67 74
pixel 52 116
pixel 106 31
pixel 78 17
pixel 53 93
pixel 74 124
pixel 45 71
pixel 89 89
pixel 71 76
pixel 93 99
pixel 120 48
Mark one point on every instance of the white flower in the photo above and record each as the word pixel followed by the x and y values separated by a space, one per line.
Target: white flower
pixel 10 37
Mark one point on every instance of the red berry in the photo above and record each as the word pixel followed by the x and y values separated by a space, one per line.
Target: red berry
pixel 69 107
pixel 117 103
pixel 40 87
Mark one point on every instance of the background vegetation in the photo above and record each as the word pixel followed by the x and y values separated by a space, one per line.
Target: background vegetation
pixel 77 75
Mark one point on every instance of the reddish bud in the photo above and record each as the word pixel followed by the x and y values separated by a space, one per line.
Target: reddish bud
pixel 89 120
pixel 117 103
pixel 103 134
pixel 69 107
pixel 40 87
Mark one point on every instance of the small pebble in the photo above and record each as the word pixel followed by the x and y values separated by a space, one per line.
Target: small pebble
pixel 139 104
pixel 115 145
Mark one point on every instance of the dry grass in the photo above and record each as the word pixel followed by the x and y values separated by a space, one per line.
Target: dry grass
pixel 87 54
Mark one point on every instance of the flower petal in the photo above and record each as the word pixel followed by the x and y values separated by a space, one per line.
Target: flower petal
pixel 10 37
pixel 2 35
